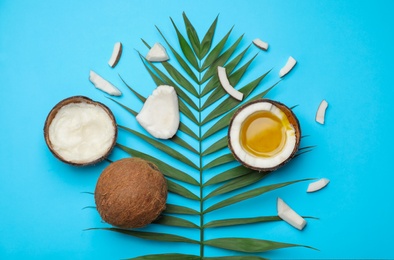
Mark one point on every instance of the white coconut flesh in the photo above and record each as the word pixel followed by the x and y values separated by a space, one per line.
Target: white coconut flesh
pixel 116 53
pixel 317 185
pixel 157 53
pixel 160 113
pixel 260 44
pixel 258 151
pixel 81 132
pixel 289 215
pixel 321 112
pixel 102 84
pixel 227 86
pixel 291 62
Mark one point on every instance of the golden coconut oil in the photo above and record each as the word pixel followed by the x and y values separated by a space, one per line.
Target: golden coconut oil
pixel 263 134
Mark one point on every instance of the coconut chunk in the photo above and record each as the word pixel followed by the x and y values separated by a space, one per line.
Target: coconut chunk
pixel 116 53
pixel 291 62
pixel 317 185
pixel 157 53
pixel 103 84
pixel 226 84
pixel 289 215
pixel 160 113
pixel 321 112
pixel 260 44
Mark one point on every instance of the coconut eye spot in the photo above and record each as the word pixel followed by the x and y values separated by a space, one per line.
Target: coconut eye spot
pixel 263 134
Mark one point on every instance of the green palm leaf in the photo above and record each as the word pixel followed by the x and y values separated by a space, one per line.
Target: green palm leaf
pixel 162 79
pixel 151 235
pixel 244 221
pixel 228 175
pixel 248 245
pixel 181 80
pixel 208 38
pixel 234 78
pixel 176 209
pixel 240 221
pixel 219 161
pixel 174 221
pixel 193 36
pixel 180 190
pixel 197 78
pixel 214 54
pixel 166 169
pixel 218 145
pixel 221 60
pixel 237 183
pixel 176 139
pixel 248 195
pixel 230 102
pixel 186 49
pixel 140 97
pixel 172 152
pixel 230 66
pixel 167 257
pixel 181 61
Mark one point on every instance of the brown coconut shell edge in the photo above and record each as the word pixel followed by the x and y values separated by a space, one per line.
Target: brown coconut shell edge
pixel 77 99
pixel 131 193
pixel 117 56
pixel 293 121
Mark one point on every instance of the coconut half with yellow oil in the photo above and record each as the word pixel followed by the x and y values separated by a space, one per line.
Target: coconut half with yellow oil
pixel 264 134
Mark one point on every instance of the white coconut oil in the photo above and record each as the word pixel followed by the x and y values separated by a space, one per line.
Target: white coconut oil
pixel 81 132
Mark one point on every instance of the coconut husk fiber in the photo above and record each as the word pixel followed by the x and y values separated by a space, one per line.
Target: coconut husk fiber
pixel 131 193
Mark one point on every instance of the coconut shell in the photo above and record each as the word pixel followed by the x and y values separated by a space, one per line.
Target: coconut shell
pixel 131 193
pixel 77 99
pixel 293 121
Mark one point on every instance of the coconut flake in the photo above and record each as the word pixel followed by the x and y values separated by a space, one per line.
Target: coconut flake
pixel 260 44
pixel 226 84
pixel 291 62
pixel 116 53
pixel 103 84
pixel 321 112
pixel 157 53
pixel 160 113
pixel 289 215
pixel 317 185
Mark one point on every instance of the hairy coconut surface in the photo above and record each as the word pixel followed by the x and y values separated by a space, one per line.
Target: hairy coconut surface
pixel 53 113
pixel 292 120
pixel 131 193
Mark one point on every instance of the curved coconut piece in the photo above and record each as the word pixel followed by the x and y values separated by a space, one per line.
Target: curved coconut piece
pixel 291 62
pixel 226 84
pixel 317 185
pixel 157 53
pixel 102 84
pixel 321 112
pixel 293 134
pixel 130 193
pixel 160 113
pixel 116 53
pixel 289 215
pixel 260 44
pixel 99 143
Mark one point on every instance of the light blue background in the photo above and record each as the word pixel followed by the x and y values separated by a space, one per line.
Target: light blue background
pixel 344 51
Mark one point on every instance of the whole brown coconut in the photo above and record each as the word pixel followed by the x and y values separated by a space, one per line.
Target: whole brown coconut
pixel 131 193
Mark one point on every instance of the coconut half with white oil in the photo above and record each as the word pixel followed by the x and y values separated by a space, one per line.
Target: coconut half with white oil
pixel 264 134
pixel 80 131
